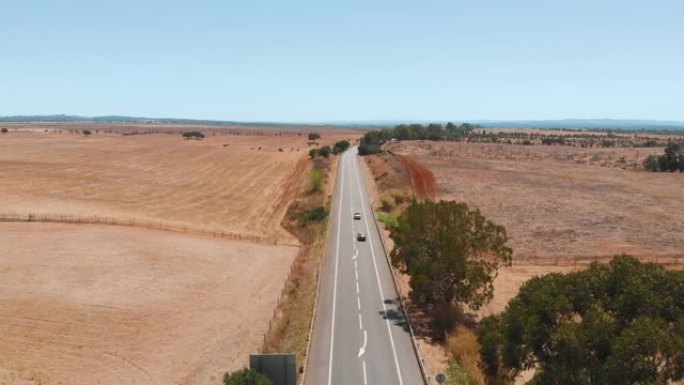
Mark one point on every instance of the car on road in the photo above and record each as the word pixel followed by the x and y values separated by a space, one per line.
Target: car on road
pixel 361 237
pixel 357 216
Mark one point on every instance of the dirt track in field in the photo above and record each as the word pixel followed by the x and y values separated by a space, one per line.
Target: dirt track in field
pixel 422 180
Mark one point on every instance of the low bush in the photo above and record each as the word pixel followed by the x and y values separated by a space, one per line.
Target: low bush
pixel 3 130
pixel 462 346
pixel 315 214
pixel 246 377
pixel 387 203
pixel 388 219
pixel 316 180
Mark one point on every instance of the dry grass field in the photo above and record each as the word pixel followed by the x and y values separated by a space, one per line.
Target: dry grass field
pixel 82 304
pixel 239 184
pixel 560 203
pixel 100 304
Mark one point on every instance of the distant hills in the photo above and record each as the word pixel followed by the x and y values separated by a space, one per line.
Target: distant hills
pixel 589 124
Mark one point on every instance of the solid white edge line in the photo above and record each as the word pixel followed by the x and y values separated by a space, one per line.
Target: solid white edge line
pixel 365 377
pixel 377 275
pixel 337 257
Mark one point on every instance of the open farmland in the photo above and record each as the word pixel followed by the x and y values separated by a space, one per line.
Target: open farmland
pixel 237 184
pixel 83 304
pixel 92 303
pixel 560 203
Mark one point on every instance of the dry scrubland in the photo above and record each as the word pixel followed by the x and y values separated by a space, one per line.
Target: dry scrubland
pixel 100 304
pixel 558 203
pixel 562 207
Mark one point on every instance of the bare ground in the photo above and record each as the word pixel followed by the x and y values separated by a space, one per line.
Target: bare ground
pixel 84 304
pixel 100 304
pixel 562 202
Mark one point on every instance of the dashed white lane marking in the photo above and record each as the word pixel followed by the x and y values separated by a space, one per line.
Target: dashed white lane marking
pixel 357 287
pixel 360 322
pixel 356 254
pixel 365 378
pixel 363 348
pixel 358 303
pixel 357 274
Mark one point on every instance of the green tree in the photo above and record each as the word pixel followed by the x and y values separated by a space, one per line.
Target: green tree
pixel 312 153
pixel 314 136
pixel 340 146
pixel 324 151
pixel 246 377
pixel 620 323
pixel 651 163
pixel 193 135
pixel 451 254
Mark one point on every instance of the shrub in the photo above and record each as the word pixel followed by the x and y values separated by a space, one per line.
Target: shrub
pixel 387 203
pixel 193 135
pixel 324 151
pixel 3 130
pixel 340 146
pixel 651 163
pixel 312 153
pixel 315 214
pixel 87 132
pixel 316 180
pixel 388 219
pixel 314 136
pixel 463 347
pixel 246 377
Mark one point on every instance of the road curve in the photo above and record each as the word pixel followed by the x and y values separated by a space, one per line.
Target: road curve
pixel 359 335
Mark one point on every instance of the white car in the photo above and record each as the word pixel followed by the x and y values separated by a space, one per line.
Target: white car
pixel 357 216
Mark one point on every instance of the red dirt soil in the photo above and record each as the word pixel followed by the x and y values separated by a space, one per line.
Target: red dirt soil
pixel 422 180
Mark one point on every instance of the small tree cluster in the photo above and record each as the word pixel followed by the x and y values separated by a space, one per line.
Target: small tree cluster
pixel 621 323
pixel 3 130
pixel 323 151
pixel 193 135
pixel 314 136
pixel 373 140
pixel 87 132
pixel 672 160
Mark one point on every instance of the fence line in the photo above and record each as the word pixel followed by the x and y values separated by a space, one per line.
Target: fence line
pixel 667 260
pixel 132 222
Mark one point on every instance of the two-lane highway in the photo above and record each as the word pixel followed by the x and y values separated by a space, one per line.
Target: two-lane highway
pixel 359 334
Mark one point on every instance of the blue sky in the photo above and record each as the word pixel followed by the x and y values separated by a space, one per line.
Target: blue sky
pixel 344 60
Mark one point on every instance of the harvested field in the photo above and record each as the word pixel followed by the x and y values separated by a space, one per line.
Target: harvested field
pixel 561 203
pixel 237 184
pixel 91 303
pixel 83 304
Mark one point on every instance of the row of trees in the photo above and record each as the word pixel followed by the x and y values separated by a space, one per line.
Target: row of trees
pixel 373 140
pixel 672 160
pixel 325 151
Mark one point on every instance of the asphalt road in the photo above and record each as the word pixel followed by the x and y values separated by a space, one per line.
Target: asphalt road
pixel 359 335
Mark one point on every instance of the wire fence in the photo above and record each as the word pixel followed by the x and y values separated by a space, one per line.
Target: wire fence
pixel 136 222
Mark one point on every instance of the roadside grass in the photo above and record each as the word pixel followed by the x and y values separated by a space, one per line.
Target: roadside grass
pixel 307 219
pixel 464 369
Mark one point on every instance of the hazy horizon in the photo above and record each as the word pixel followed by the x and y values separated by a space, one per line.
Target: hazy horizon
pixel 310 62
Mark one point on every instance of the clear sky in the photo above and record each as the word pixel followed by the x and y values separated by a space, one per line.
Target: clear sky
pixel 344 60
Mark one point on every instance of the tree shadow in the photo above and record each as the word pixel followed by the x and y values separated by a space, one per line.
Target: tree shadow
pixel 397 316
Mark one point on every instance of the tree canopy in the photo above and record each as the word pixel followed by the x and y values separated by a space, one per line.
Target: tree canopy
pixel 450 252
pixel 193 135
pixel 314 135
pixel 372 140
pixel 620 323
pixel 672 160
